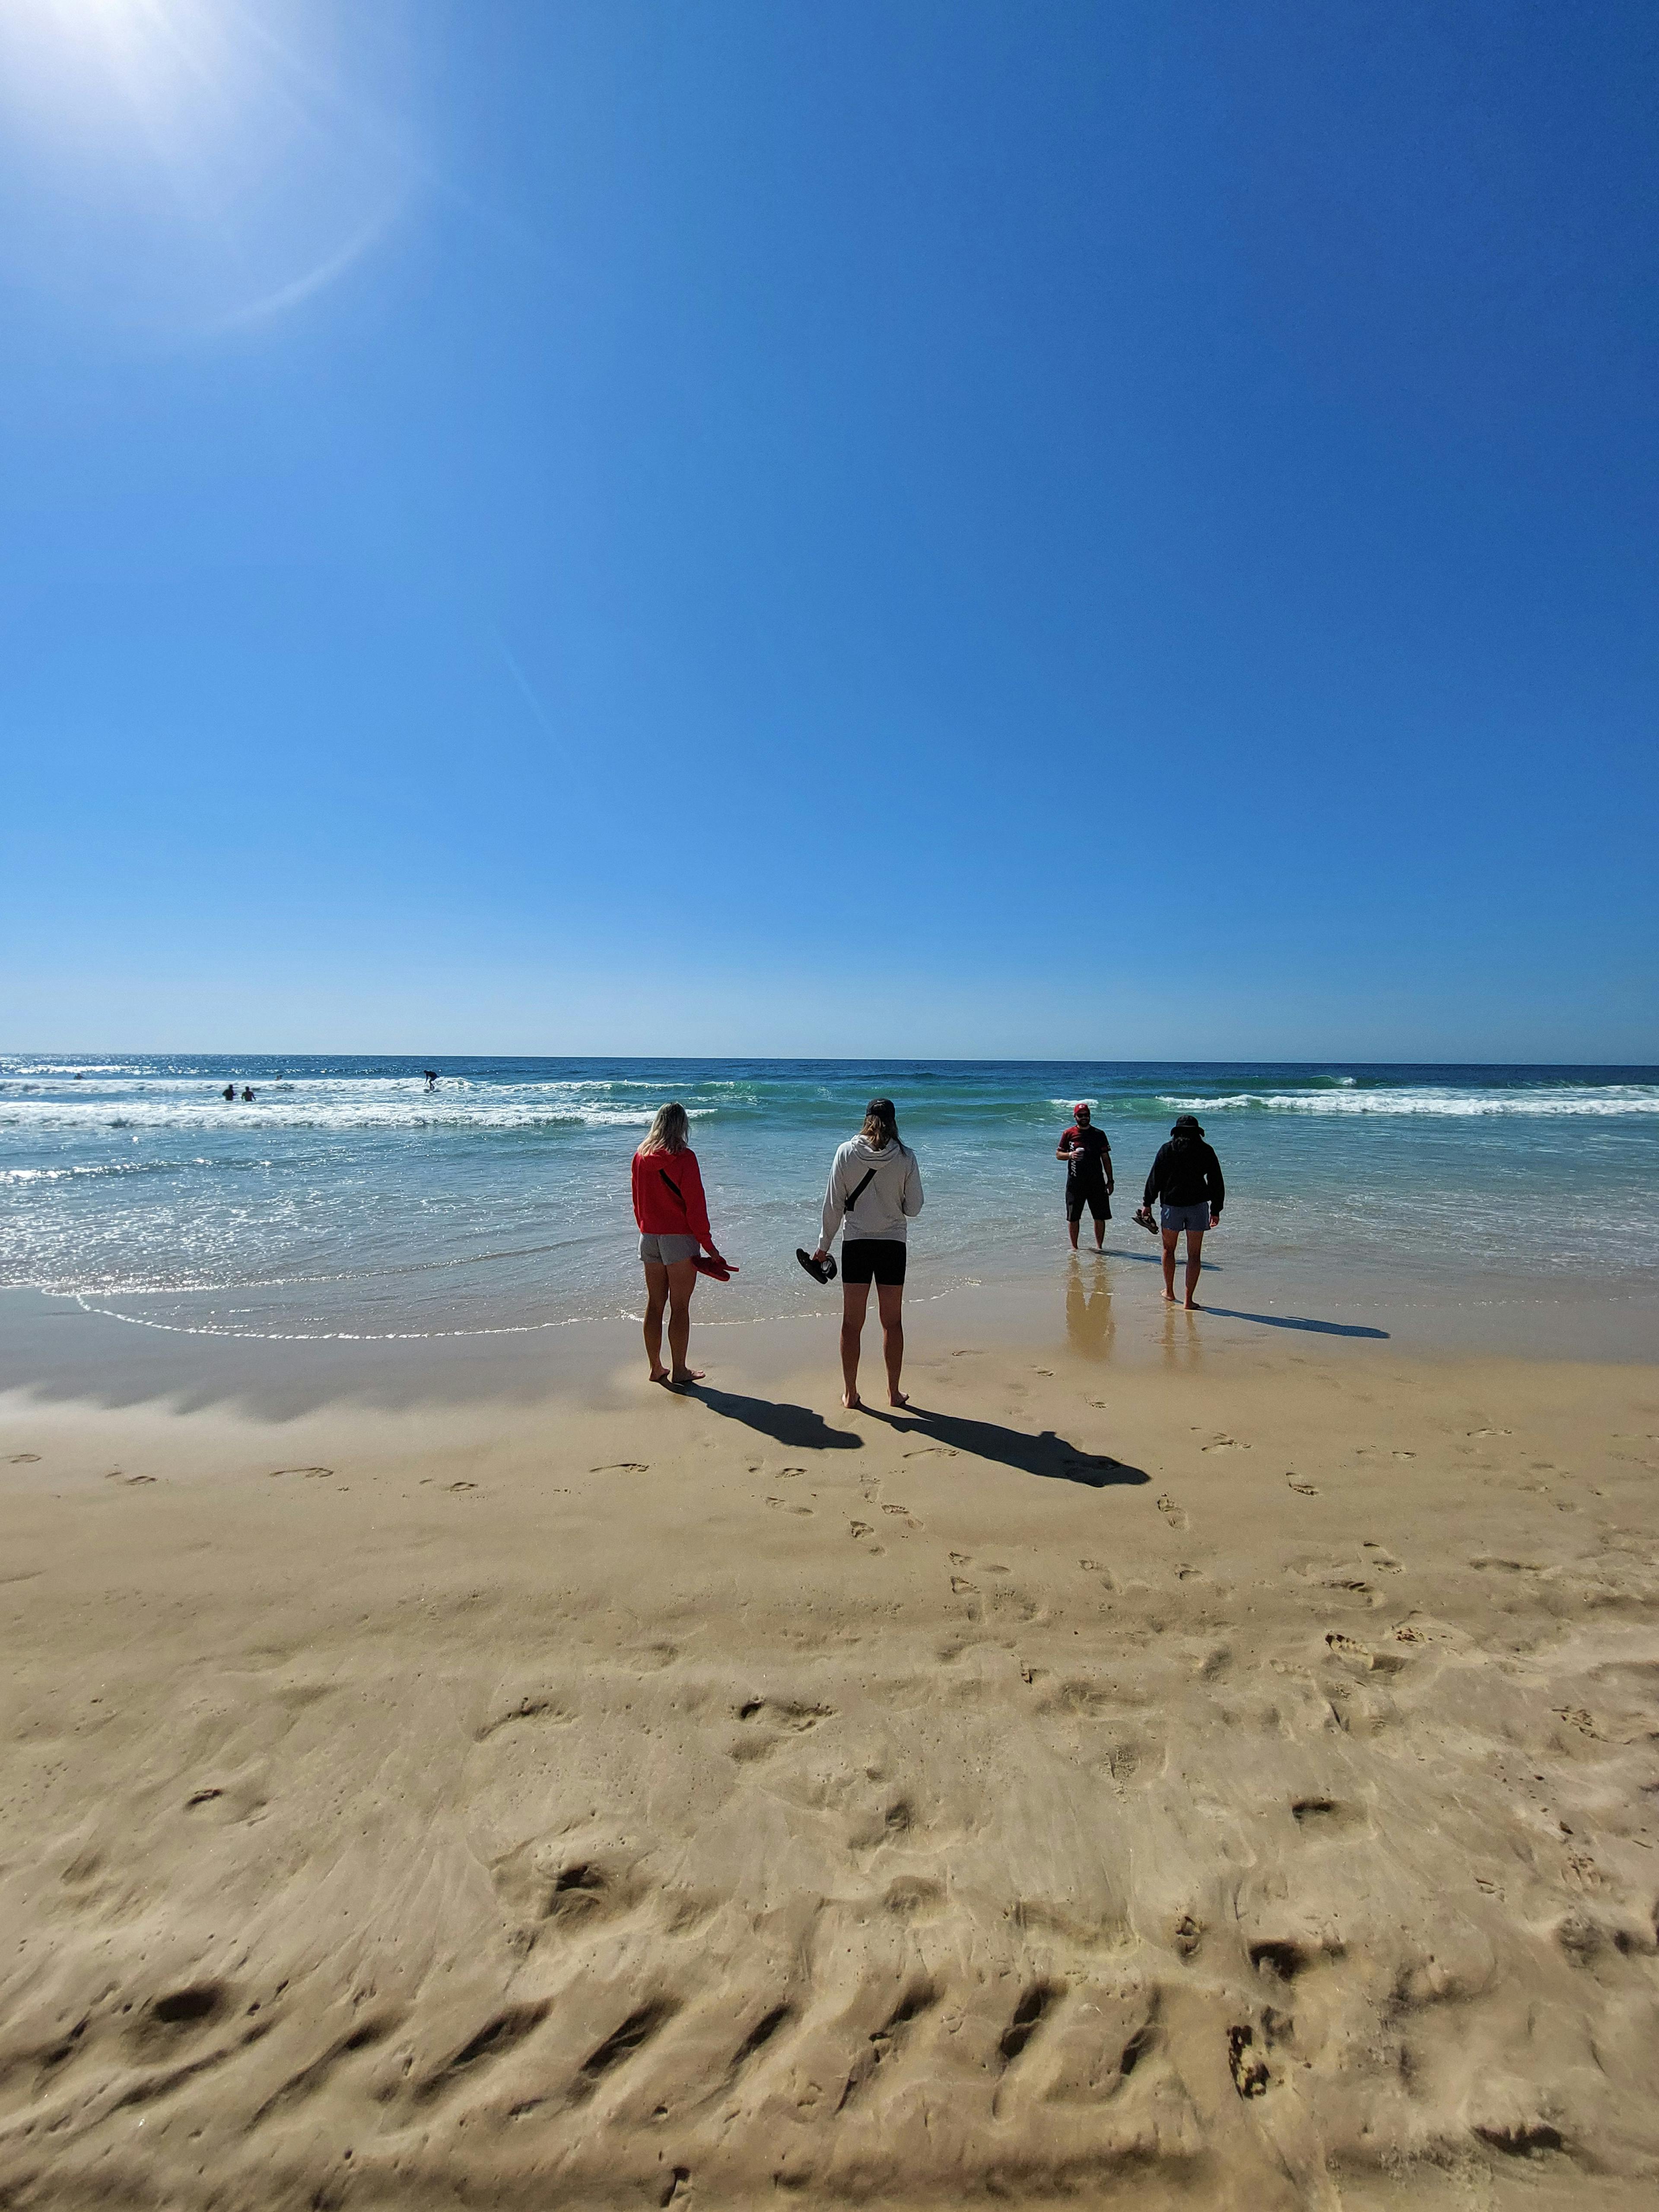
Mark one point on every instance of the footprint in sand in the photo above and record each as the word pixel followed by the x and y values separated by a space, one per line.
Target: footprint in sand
pixel 131 1479
pixel 460 1486
pixel 942 1451
pixel 784 1506
pixel 960 1559
pixel 275 1471
pixel 1090 1567
pixel 1172 1513
pixel 1345 1647
pixel 962 1587
pixel 860 1529
pixel 622 1467
pixel 1303 1489
pixel 1489 1432
pixel 22 1459
pixel 1227 1443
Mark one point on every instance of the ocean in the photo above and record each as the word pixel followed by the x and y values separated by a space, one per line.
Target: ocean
pixel 348 1203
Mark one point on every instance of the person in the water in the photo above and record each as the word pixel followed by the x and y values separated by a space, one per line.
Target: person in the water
pixel 1089 1178
pixel 1186 1177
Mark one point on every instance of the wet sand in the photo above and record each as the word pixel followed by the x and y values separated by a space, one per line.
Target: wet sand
pixel 1224 1777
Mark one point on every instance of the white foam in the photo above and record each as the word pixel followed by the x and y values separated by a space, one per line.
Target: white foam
pixel 333 1104
pixel 1616 1099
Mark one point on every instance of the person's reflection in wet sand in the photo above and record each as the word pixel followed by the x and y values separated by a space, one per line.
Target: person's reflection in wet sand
pixel 1089 1307
pixel 1183 1340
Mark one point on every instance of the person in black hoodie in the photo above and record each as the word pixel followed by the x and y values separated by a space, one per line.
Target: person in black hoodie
pixel 1186 1177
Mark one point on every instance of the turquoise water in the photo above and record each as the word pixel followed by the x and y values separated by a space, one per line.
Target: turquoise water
pixel 347 1202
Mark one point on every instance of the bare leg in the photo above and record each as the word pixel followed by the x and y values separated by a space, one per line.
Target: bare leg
pixel 1071 1231
pixel 681 1281
pixel 1194 1265
pixel 889 1299
pixel 1100 1233
pixel 1170 1236
pixel 855 1301
pixel 656 1298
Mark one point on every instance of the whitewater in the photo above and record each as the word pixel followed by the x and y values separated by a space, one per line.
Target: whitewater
pixel 348 1201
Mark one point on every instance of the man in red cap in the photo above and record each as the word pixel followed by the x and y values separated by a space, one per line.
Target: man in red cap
pixel 1089 1179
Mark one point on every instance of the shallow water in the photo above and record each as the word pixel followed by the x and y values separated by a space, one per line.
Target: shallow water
pixel 348 1203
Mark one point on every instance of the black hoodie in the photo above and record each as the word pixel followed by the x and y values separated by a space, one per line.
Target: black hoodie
pixel 1186 1173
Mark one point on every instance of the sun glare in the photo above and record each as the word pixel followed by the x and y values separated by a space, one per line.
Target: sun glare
pixel 194 164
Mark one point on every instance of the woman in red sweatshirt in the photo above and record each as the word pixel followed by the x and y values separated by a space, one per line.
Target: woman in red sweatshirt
pixel 673 1221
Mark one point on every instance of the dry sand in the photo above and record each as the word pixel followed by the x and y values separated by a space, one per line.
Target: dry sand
pixel 1233 1789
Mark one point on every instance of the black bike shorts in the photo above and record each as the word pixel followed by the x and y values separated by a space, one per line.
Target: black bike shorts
pixel 872 1260
pixel 1091 1194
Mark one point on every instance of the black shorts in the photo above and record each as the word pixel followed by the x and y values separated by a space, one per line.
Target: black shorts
pixel 1091 1194
pixel 872 1260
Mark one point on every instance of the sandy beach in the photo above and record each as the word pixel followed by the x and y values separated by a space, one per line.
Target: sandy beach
pixel 1213 1781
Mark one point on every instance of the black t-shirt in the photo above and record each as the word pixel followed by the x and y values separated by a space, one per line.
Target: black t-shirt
pixel 1089 1159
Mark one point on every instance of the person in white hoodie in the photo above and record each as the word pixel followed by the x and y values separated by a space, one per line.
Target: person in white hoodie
pixel 875 1187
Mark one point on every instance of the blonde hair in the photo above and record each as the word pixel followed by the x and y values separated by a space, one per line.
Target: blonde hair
pixel 670 1131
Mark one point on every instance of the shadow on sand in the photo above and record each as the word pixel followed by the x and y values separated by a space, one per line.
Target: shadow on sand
pixel 1296 1321
pixel 1047 1454
pixel 796 1426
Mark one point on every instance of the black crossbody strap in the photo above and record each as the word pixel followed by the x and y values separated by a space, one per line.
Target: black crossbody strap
pixel 859 1187
pixel 670 1181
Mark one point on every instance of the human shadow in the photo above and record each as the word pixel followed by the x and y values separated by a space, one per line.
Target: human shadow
pixel 1297 1321
pixel 796 1426
pixel 1045 1455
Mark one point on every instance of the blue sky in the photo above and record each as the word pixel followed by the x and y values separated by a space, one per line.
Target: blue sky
pixel 1088 530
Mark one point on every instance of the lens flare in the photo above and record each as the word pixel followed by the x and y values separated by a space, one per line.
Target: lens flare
pixel 181 166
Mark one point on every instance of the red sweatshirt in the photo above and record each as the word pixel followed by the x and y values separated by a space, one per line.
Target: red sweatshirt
pixel 668 1200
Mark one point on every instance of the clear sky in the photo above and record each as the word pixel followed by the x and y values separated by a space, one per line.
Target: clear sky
pixel 1100 529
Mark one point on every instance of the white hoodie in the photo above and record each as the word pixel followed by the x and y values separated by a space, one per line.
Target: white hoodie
pixel 888 1201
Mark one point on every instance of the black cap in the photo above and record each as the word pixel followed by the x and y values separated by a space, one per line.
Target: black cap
pixel 1186 1125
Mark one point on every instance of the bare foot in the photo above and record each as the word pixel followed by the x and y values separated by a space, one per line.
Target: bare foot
pixel 686 1375
pixel 852 1401
pixel 1168 1298
pixel 660 1374
pixel 1191 1306
pixel 896 1398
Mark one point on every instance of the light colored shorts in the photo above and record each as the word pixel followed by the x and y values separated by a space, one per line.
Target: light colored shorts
pixel 1194 1219
pixel 663 1251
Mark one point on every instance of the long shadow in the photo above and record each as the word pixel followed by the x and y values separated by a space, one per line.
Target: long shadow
pixel 1296 1321
pixel 797 1426
pixel 1047 1455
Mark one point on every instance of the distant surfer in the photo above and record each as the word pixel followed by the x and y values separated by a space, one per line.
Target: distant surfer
pixel 431 1075
pixel 875 1187
pixel 229 1094
pixel 247 1094
pixel 1089 1178
pixel 1186 1177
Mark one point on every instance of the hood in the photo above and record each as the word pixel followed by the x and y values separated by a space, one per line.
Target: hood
pixel 863 1150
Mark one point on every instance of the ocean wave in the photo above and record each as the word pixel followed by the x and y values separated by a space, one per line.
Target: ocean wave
pixel 1615 1100
pixel 71 1068
pixel 297 1111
